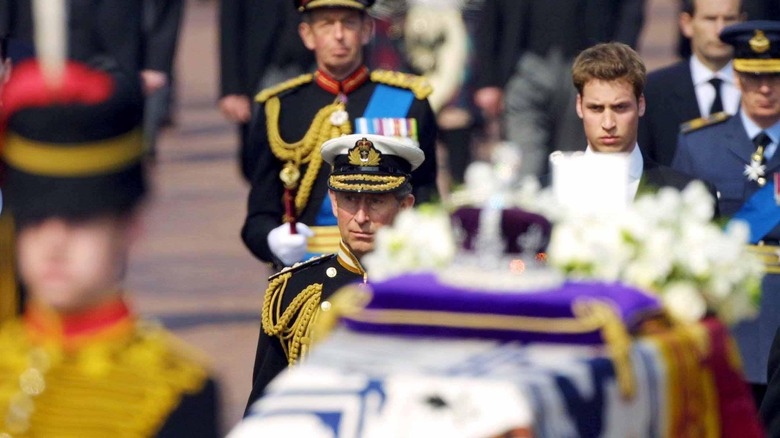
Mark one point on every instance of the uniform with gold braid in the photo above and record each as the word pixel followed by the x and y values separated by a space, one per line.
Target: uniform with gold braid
pixel 298 116
pixel 74 152
pixel 361 163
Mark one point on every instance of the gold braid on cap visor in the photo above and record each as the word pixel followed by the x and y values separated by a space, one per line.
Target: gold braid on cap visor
pixel 363 183
pixel 332 3
pixel 757 65
pixel 76 159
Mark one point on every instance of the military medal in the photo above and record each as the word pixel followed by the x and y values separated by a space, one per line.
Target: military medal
pixel 755 171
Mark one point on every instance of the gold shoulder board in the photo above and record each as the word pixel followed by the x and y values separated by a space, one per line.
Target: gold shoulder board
pixel 701 122
pixel 301 265
pixel 270 92
pixel 418 84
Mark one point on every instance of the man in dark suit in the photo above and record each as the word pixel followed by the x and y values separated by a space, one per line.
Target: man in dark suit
pixel 695 87
pixel 610 79
pixel 254 36
pixel 737 154
pixel 525 51
pixel 162 19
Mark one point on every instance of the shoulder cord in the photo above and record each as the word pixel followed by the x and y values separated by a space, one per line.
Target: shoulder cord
pixel 305 150
pixel 291 333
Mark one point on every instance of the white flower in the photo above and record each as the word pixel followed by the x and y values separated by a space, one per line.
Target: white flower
pixel 419 240
pixel 684 301
pixel 698 203
pixel 663 243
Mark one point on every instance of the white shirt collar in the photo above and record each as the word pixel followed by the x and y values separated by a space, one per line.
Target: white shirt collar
pixel 701 74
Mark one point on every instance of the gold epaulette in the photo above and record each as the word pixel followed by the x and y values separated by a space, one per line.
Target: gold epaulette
pixel 140 380
pixel 304 264
pixel 292 325
pixel 418 84
pixel 270 92
pixel 701 122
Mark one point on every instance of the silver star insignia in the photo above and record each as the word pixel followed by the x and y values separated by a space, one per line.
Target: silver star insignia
pixel 754 170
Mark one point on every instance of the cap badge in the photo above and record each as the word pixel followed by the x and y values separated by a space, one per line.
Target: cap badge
pixel 364 154
pixel 759 43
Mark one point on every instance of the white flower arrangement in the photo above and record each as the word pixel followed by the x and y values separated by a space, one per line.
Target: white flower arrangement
pixel 663 243
pixel 420 240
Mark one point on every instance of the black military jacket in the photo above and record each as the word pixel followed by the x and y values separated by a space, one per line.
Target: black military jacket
pixel 317 279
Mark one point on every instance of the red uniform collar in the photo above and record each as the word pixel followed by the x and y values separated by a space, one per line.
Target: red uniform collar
pixel 349 84
pixel 106 321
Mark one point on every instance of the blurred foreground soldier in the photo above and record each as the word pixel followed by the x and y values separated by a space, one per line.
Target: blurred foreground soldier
pixel 289 212
pixel 610 79
pixel 369 185
pixel 698 86
pixel 79 362
pixel 10 299
pixel 737 154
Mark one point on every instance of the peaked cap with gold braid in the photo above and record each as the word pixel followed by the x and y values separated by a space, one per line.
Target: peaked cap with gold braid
pixel 756 46
pixel 74 150
pixel 371 163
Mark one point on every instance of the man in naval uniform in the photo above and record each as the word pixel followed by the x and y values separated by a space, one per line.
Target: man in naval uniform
pixel 288 208
pixel 738 155
pixel 369 185
pixel 78 362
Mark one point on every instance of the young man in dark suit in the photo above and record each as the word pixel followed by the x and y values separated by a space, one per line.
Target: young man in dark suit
pixel 699 86
pixel 610 79
pixel 524 52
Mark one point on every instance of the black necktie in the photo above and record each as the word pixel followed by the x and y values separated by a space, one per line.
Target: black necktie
pixel 717 104
pixel 761 141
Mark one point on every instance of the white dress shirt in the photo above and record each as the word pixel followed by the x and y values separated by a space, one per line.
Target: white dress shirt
pixel 705 92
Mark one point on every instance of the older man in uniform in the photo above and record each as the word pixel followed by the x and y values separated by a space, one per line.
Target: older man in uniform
pixel 738 155
pixel 369 185
pixel 293 119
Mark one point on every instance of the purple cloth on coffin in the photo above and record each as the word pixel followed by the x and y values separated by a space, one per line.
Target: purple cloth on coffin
pixel 423 292
pixel 514 222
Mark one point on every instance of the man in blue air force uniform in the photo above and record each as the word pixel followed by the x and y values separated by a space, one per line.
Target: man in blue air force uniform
pixel 288 210
pixel 738 155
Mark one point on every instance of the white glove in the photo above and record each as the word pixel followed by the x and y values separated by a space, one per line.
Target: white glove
pixel 289 248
